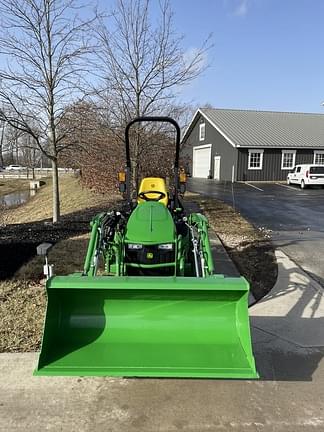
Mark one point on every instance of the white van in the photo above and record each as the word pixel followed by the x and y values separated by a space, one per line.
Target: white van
pixel 306 175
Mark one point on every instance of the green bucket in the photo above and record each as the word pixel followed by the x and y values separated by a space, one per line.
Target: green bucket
pixel 148 327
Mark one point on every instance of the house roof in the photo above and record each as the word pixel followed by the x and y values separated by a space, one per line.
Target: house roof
pixel 267 129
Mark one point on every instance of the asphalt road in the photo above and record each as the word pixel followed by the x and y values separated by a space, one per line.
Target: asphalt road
pixel 294 216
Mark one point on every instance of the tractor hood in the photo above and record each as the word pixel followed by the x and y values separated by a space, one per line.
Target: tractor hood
pixel 150 223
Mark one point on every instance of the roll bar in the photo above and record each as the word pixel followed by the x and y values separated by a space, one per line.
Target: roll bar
pixel 162 119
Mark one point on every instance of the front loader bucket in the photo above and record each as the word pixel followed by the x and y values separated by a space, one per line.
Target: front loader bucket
pixel 147 326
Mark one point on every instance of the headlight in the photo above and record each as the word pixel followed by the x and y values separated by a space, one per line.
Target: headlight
pixel 166 246
pixel 134 246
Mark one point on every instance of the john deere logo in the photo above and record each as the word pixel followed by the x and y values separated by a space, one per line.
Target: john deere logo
pixel 149 255
pixel 153 186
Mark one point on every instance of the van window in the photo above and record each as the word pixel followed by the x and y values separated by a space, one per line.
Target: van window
pixel 316 170
pixel 298 169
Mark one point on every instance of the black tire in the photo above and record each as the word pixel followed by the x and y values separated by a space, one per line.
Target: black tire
pixel 302 185
pixel 288 182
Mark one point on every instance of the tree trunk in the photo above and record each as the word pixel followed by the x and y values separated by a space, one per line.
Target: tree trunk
pixel 17 150
pixel 56 194
pixel 1 143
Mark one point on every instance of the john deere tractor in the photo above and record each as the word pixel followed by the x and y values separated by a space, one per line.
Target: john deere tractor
pixel 148 302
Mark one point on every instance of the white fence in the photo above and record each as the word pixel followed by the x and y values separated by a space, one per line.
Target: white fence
pixel 38 173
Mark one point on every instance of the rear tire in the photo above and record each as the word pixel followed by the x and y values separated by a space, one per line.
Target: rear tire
pixel 302 185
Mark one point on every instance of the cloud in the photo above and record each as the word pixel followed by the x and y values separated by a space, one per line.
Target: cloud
pixel 242 8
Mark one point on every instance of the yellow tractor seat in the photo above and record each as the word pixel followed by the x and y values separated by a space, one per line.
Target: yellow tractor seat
pixel 148 186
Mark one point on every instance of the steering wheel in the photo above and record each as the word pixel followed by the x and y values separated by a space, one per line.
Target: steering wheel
pixel 143 196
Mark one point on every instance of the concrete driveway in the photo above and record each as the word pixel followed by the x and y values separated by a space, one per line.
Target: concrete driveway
pixel 295 216
pixel 288 343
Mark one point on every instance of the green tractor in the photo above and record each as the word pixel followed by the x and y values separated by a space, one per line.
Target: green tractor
pixel 148 302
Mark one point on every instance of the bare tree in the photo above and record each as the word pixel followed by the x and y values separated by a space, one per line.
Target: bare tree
pixel 2 139
pixel 30 152
pixel 143 65
pixel 46 45
pixel 11 143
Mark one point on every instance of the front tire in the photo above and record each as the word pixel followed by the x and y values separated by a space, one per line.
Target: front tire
pixel 302 185
pixel 288 182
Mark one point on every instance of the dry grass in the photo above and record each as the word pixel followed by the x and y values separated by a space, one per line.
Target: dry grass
pixel 8 186
pixel 22 308
pixel 23 299
pixel 231 227
pixel 67 256
pixel 74 198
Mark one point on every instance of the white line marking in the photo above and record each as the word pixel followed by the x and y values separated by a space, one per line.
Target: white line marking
pixel 255 187
pixel 286 186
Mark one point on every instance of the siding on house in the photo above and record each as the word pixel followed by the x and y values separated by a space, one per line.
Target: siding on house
pixel 242 130
pixel 220 147
pixel 271 170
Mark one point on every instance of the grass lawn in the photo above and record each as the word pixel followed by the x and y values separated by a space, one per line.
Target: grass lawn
pixel 74 198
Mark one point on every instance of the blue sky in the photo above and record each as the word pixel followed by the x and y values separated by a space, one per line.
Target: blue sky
pixel 267 54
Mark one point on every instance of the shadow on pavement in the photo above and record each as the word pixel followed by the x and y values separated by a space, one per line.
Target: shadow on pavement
pixel 288 326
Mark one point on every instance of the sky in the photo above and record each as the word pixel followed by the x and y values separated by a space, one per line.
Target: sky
pixel 266 54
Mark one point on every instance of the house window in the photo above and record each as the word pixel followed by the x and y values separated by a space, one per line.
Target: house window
pixel 202 132
pixel 318 157
pixel 288 158
pixel 255 159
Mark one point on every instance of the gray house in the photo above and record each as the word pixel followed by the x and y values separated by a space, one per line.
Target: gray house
pixel 241 145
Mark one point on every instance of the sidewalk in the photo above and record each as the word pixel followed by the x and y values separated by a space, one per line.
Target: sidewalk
pixel 288 335
pixel 288 326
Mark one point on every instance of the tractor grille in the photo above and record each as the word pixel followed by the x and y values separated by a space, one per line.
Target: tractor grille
pixel 150 255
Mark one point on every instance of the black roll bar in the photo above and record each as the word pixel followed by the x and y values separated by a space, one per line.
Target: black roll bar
pixel 163 119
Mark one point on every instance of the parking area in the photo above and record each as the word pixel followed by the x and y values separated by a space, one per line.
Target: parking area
pixel 293 216
pixel 278 188
pixel 273 187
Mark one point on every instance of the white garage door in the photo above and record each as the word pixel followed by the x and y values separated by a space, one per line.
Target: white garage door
pixel 201 161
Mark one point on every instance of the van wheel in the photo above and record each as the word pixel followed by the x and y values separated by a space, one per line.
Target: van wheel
pixel 288 182
pixel 302 185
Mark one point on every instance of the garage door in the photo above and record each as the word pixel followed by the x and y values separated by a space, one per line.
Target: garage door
pixel 201 161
